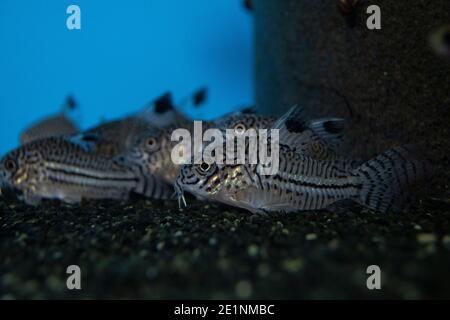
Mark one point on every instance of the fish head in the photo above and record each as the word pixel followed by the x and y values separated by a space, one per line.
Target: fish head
pixel 152 152
pixel 19 169
pixel 203 180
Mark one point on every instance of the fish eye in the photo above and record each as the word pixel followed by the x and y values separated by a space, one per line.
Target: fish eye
pixel 239 128
pixel 204 166
pixel 151 142
pixel 10 165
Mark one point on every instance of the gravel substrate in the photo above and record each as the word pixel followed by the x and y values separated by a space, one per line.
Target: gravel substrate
pixel 150 249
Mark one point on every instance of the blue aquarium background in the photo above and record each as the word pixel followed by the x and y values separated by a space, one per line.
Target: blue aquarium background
pixel 123 57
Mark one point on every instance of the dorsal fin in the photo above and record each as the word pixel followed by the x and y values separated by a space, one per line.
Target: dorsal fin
pixel 70 104
pixel 200 96
pixel 330 130
pixel 315 139
pixel 248 110
pixel 164 103
pixel 87 141
pixel 59 124
pixel 293 121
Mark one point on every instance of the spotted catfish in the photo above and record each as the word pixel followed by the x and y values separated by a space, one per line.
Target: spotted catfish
pixel 65 169
pixel 154 147
pixel 305 183
pixel 319 138
pixel 118 136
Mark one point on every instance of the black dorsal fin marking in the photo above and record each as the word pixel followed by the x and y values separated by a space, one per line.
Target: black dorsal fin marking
pixel 333 126
pixel 200 96
pixel 164 103
pixel 70 103
pixel 295 126
pixel 89 137
pixel 249 110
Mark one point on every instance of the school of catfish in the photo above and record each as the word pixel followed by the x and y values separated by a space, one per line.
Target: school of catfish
pixel 133 155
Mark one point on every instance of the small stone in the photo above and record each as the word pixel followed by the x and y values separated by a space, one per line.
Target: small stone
pixel 293 265
pixel 243 289
pixel 178 234
pixel 151 272
pixel 212 241
pixel 196 253
pixel 223 264
pixel 160 246
pixel 311 236
pixel 57 255
pixel 446 240
pixel 263 270
pixel 180 264
pixel 143 253
pixel 426 237
pixel 333 244
pixel 253 250
pixel 430 248
pixel 54 283
pixel 228 214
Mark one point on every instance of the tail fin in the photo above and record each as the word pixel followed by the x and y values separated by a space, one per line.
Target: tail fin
pixel 385 179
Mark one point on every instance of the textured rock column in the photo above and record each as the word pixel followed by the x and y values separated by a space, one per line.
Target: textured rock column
pixel 389 82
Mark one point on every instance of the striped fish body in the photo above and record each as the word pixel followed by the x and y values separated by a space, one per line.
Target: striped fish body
pixel 303 183
pixel 58 168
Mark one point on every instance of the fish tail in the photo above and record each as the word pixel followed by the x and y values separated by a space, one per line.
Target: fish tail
pixel 386 178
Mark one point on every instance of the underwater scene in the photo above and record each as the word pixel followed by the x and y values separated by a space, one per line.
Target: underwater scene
pixel 226 150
